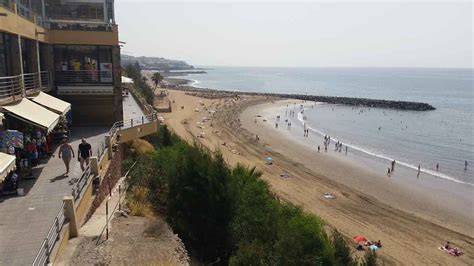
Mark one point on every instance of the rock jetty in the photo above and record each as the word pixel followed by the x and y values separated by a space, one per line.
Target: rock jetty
pixel 399 105
pixel 375 103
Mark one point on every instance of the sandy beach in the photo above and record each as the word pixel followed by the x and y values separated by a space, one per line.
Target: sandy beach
pixel 410 223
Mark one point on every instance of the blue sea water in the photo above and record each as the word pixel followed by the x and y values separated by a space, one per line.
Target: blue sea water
pixel 444 136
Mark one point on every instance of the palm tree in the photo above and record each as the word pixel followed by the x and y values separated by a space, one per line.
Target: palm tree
pixel 156 78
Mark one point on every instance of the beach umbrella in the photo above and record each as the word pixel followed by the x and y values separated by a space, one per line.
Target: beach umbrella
pixel 360 238
pixel 269 158
pixel 374 247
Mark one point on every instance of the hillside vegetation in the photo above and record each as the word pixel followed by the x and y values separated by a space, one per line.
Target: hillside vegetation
pixel 228 216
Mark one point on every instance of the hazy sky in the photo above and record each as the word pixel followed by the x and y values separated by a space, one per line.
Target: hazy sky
pixel 399 34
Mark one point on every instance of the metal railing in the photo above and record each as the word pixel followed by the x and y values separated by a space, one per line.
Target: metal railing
pixel 81 183
pixel 133 122
pixel 84 77
pixel 44 79
pixel 13 87
pixel 42 258
pixel 10 88
pixel 31 81
pixel 122 188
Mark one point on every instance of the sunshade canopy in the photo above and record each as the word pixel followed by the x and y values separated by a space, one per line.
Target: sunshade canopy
pixel 7 164
pixel 54 104
pixel 33 113
pixel 360 238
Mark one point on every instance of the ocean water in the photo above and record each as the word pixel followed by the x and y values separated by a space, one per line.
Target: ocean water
pixel 443 136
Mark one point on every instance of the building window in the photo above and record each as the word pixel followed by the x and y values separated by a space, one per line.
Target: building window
pixel 70 10
pixel 83 64
pixel 5 55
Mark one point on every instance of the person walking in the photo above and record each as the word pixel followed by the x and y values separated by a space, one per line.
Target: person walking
pixel 465 165
pixel 393 165
pixel 419 170
pixel 84 153
pixel 388 172
pixel 319 149
pixel 437 167
pixel 66 152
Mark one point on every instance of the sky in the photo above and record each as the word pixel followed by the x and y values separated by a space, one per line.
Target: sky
pixel 300 34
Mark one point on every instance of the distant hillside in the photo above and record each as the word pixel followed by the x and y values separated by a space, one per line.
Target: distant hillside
pixel 156 63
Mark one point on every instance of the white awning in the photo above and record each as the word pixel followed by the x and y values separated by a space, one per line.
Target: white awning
pixel 126 80
pixel 7 164
pixel 33 113
pixel 52 103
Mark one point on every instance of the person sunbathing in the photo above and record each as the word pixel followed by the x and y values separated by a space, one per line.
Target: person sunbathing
pixel 378 244
pixel 447 246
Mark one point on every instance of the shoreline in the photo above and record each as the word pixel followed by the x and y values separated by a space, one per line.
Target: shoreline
pixel 376 155
pixel 408 238
pixel 419 192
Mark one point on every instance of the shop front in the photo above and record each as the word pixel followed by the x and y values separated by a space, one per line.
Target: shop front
pixel 29 133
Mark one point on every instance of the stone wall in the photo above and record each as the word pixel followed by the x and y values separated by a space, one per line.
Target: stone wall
pixel 112 175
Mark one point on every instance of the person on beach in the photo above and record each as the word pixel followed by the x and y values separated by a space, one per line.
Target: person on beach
pixel 340 147
pixel 393 165
pixel 419 170
pixel 276 125
pixel 437 167
pixel 319 149
pixel 388 172
pixel 447 245
pixel 66 152
pixel 465 165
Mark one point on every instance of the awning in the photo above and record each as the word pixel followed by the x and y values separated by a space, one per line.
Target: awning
pixel 7 164
pixel 126 80
pixel 52 103
pixel 33 113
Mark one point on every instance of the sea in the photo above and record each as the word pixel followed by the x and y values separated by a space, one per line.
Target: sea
pixel 412 138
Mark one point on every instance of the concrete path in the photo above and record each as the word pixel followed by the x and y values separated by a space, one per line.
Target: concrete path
pixel 25 221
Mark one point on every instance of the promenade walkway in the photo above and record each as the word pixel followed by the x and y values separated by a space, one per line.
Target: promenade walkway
pixel 25 221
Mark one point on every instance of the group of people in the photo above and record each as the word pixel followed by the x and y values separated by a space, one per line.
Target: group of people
pixel 305 132
pixel 391 169
pixel 66 153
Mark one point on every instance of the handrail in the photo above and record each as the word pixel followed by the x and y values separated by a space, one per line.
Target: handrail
pixel 13 87
pixel 133 122
pixel 118 204
pixel 84 76
pixel 42 257
pixel 81 183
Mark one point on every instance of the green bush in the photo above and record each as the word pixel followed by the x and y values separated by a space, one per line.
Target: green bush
pixel 229 216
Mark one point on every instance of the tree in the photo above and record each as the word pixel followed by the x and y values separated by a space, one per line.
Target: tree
pixel 156 78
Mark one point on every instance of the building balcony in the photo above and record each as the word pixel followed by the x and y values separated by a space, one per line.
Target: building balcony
pixel 13 88
pixel 84 77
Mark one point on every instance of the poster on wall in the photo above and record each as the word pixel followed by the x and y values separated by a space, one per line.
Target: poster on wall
pixel 106 72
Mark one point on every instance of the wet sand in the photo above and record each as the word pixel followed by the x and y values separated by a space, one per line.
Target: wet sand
pixel 408 237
